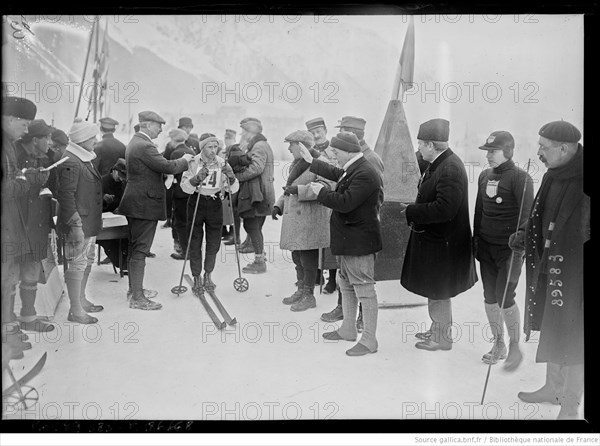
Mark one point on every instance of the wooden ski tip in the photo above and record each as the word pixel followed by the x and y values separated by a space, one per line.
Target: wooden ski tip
pixel 223 325
pixel 232 322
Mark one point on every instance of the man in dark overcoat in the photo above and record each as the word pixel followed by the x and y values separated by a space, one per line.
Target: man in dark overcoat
pixel 355 233
pixel 558 227
pixel 143 202
pixel 109 149
pixel 17 113
pixel 439 260
pixel 36 209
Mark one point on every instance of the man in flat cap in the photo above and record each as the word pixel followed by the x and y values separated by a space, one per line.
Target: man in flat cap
pixel 109 149
pixel 17 113
pixel 504 189
pixel 143 202
pixel 36 210
pixel 439 260
pixel 317 127
pixel 355 234
pixel 80 216
pixel 305 223
pixel 260 205
pixel 558 227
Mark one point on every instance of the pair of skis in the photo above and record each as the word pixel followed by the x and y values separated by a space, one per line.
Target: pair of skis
pixel 218 323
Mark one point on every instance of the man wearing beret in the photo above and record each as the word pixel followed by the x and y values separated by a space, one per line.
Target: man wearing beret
pixel 499 200
pixel 317 127
pixel 439 260
pixel 179 197
pixel 558 227
pixel 143 202
pixel 255 204
pixel 17 113
pixel 31 152
pixel 109 149
pixel 80 216
pixel 355 233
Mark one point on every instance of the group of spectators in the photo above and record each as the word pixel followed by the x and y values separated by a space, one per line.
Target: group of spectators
pixel 330 220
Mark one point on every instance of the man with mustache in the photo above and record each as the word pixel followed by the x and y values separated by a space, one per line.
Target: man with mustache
pixel 558 227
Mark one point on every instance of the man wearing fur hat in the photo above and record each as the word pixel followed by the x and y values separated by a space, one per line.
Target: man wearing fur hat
pixel 144 202
pixel 558 227
pixel 17 114
pixel 355 235
pixel 180 198
pixel 109 149
pixel 80 216
pixel 257 194
pixel 36 209
pixel 439 259
pixel 206 180
pixel 305 225
pixel 499 200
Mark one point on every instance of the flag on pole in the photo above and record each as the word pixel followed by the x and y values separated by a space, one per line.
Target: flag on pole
pixel 100 73
pixel 406 64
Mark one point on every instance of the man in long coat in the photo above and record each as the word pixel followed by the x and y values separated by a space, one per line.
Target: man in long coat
pixel 17 113
pixel 143 202
pixel 558 226
pixel 439 260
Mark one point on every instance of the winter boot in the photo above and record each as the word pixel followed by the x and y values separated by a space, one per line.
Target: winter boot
pixel 208 283
pixel 337 314
pixel 88 307
pixel 498 351
pixel 259 266
pixel 308 300
pixel 513 326
pixel 198 288
pixel 297 296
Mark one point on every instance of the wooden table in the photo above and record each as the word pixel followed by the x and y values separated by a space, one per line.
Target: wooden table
pixel 114 227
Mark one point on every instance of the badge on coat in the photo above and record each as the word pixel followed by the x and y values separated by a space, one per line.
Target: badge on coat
pixel 491 189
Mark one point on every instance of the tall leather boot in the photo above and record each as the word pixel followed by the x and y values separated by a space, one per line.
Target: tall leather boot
pixel 498 351
pixel 513 326
pixel 440 312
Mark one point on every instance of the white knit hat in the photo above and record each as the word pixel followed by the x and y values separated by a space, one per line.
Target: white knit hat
pixel 82 131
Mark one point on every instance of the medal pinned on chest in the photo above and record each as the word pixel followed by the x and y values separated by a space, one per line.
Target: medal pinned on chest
pixel 491 190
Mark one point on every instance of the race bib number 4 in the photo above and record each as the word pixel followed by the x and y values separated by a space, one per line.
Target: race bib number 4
pixel 213 179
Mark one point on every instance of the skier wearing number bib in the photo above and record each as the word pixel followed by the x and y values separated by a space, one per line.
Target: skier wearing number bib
pixel 205 181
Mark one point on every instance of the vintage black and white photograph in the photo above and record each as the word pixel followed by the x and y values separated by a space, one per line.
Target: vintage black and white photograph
pixel 236 217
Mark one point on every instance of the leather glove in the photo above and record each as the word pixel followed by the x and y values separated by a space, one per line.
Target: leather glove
pixel 516 241
pixel 36 176
pixel 187 157
pixel 290 190
pixel 276 211
pixel 199 177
